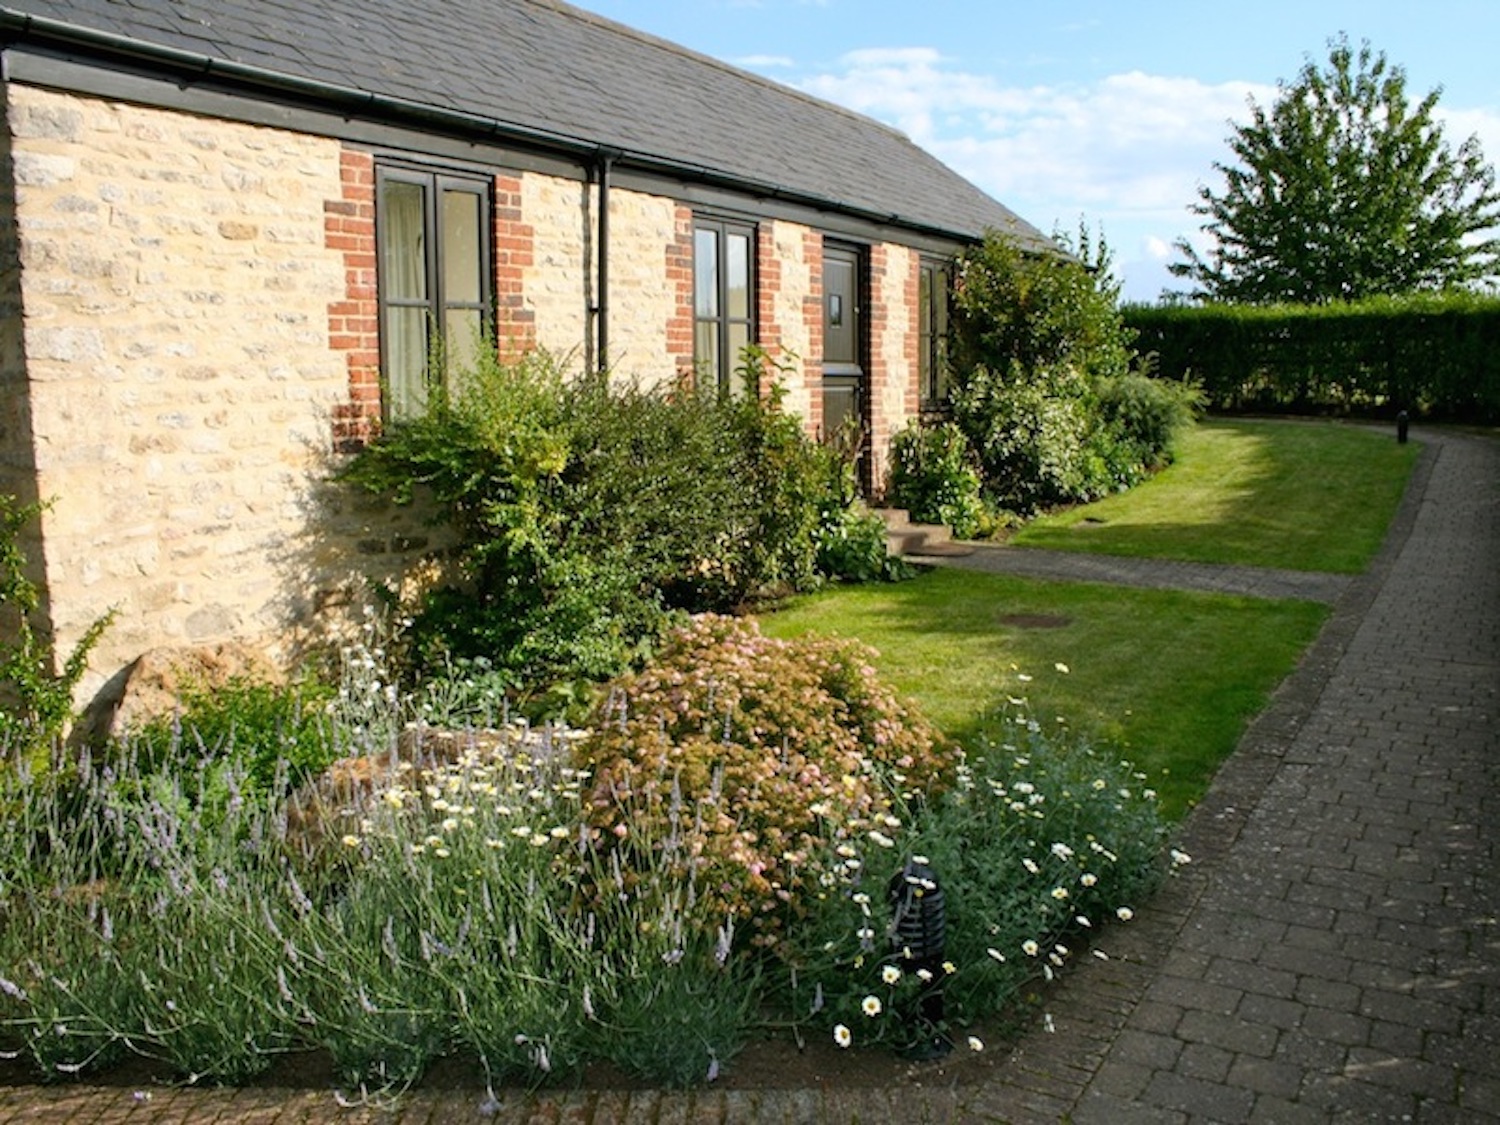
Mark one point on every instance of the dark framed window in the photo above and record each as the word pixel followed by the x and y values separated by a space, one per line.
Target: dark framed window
pixel 932 331
pixel 723 299
pixel 433 231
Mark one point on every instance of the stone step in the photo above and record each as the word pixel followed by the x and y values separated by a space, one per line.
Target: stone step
pixel 903 537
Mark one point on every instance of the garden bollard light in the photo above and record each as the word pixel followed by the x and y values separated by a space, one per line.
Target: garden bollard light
pixel 918 936
pixel 1403 423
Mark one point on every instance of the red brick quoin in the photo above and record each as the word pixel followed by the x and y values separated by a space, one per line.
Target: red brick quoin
pixel 354 321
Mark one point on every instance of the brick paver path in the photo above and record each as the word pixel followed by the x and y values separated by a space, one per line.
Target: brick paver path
pixel 1334 953
pixel 1331 955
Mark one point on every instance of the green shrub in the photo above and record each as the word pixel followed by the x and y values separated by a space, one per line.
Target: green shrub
pixel 1038 846
pixel 1034 434
pixel 263 728
pixel 934 476
pixel 36 684
pixel 451 912
pixel 1429 354
pixel 1141 419
pixel 1041 388
pixel 757 757
pixel 588 513
pixel 1039 311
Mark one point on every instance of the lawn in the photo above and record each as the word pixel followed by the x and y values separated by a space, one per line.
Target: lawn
pixel 1167 679
pixel 1280 494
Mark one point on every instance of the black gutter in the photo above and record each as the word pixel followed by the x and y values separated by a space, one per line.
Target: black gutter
pixel 25 28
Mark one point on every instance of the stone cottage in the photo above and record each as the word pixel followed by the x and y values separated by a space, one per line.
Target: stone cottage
pixel 227 225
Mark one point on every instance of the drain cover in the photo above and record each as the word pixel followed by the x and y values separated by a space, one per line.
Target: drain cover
pixel 1035 620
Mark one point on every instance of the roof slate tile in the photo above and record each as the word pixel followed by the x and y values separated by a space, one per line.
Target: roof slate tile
pixel 544 64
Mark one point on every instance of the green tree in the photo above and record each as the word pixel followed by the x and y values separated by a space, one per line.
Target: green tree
pixel 1343 189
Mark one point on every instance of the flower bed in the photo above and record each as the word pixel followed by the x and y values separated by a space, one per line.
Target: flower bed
pixel 716 854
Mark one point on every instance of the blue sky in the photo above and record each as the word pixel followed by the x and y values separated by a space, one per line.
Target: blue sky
pixel 1106 111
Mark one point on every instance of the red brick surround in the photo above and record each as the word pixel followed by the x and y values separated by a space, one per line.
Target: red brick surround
pixel 515 247
pixel 354 321
pixel 679 261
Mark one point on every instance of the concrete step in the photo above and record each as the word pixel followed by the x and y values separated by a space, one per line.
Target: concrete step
pixel 903 537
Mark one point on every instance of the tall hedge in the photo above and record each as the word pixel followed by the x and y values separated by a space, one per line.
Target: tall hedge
pixel 1435 355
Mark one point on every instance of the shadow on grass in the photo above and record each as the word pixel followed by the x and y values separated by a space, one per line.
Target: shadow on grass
pixel 1297 495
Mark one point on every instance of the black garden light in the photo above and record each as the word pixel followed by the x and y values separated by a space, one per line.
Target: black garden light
pixel 918 935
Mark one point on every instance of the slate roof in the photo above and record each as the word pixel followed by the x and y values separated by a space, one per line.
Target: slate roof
pixel 546 65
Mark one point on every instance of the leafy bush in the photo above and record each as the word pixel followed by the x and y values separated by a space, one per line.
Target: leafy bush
pixel 852 546
pixel 36 689
pixel 1036 847
pixel 1041 312
pixel 1141 419
pixel 1044 391
pixel 265 728
pixel 1433 354
pixel 1034 433
pixel 934 476
pixel 587 513
pixel 758 758
pixel 446 914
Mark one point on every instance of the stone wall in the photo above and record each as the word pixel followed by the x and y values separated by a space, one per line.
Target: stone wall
pixel 791 268
pixel 559 284
pixel 176 285
pixel 894 390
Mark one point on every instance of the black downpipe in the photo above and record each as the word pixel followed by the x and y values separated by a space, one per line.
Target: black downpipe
pixel 601 306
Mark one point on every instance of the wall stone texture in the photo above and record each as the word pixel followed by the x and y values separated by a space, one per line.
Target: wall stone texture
pixel 175 286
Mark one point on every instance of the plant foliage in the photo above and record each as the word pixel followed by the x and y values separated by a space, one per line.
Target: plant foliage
pixel 935 476
pixel 587 512
pixel 759 757
pixel 1039 311
pixel 36 683
pixel 497 899
pixel 1432 354
pixel 1344 189
pixel 1044 391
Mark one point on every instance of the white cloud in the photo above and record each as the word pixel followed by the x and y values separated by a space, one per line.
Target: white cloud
pixel 1157 249
pixel 1127 152
pixel 1132 143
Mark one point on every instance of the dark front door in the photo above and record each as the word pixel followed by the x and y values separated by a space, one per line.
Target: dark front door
pixel 845 384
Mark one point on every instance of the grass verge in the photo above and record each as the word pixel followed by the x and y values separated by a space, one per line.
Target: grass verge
pixel 1278 494
pixel 1167 679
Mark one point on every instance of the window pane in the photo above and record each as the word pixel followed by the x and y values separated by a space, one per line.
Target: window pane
pixel 924 302
pixel 461 339
pixel 406 361
pixel 706 273
pixel 739 340
pixel 706 351
pixel 737 281
pixel 460 243
pixel 403 244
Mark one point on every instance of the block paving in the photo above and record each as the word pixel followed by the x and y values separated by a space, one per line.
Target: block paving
pixel 1331 955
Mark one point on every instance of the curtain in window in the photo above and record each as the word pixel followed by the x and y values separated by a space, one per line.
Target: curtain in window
pixel 404 274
